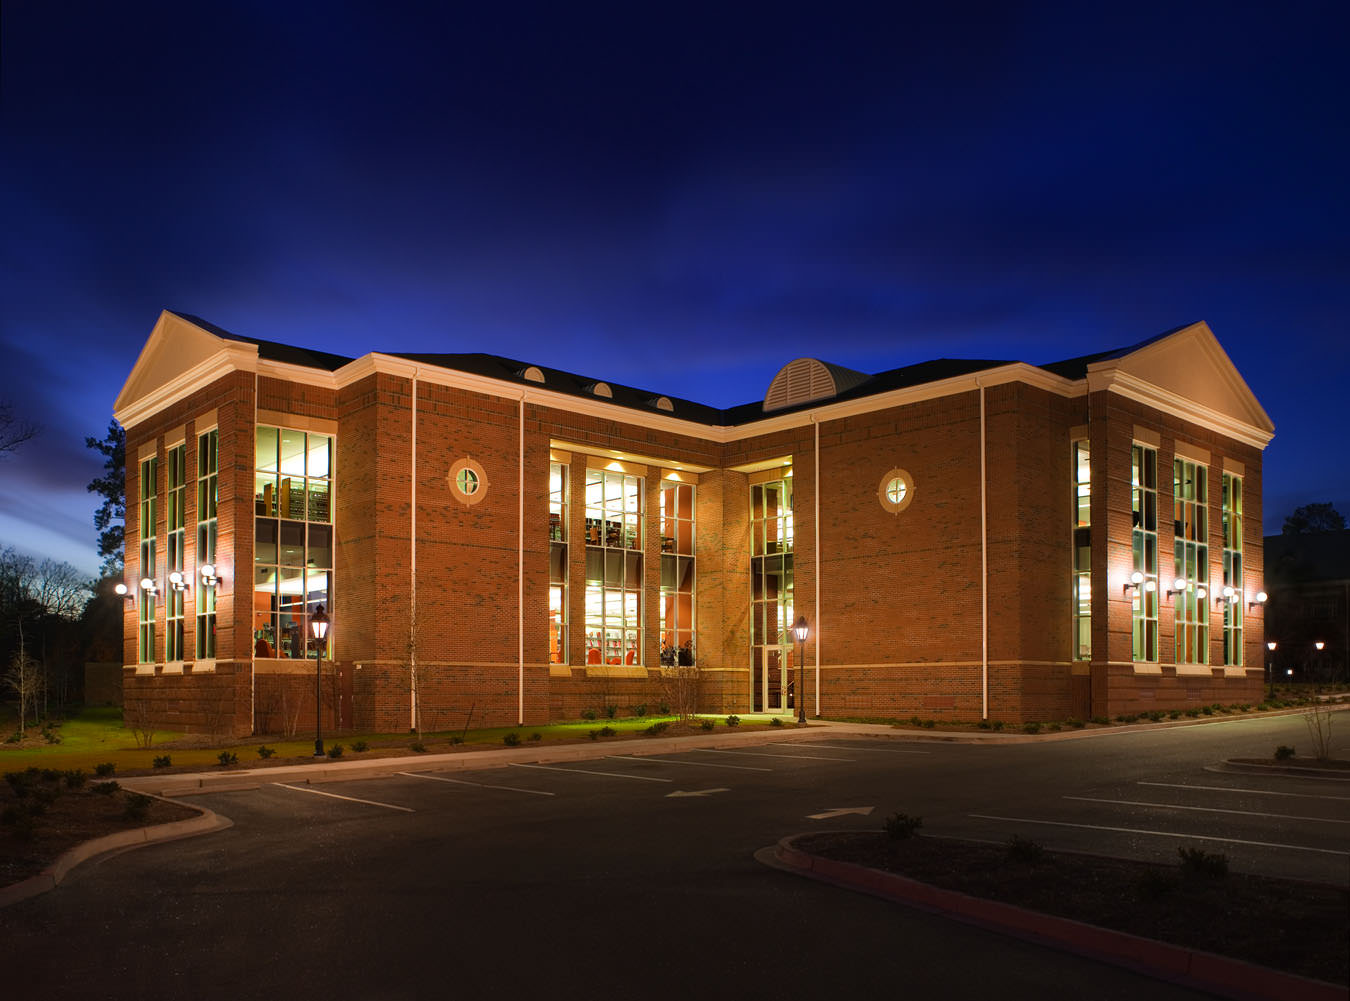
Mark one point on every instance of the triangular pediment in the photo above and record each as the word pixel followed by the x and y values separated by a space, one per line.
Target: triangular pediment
pixel 1188 373
pixel 177 353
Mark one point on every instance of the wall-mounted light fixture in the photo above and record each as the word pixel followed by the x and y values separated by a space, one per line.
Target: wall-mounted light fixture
pixel 177 581
pixel 1320 646
pixel 1136 579
pixel 1261 598
pixel 148 585
pixel 1271 645
pixel 1228 594
pixel 1178 587
pixel 208 572
pixel 122 591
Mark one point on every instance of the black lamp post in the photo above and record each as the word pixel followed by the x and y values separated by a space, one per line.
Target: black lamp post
pixel 1270 664
pixel 318 622
pixel 801 630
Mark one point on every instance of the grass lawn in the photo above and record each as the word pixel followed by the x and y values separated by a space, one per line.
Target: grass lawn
pixel 95 736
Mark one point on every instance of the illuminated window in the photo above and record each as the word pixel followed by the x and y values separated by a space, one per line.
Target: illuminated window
pixel 677 574
pixel 1232 569
pixel 614 507
pixel 1082 551
pixel 176 535
pixel 1190 494
pixel 293 541
pixel 896 490
pixel 557 563
pixel 208 495
pixel 468 482
pixel 1144 538
pixel 771 593
pixel 145 643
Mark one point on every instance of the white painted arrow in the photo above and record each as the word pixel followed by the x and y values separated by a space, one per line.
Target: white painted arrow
pixel 701 792
pixel 862 811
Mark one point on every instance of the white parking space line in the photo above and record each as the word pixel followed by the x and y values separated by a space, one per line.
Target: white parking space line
pixel 480 785
pixel 847 747
pixel 695 764
pixel 1203 809
pixel 587 771
pixel 761 754
pixel 1160 834
pixel 1241 792
pixel 349 799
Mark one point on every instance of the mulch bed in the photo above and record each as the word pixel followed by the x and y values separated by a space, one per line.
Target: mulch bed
pixel 1301 928
pixel 73 817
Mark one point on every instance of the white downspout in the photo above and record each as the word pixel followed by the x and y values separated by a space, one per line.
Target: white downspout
pixel 520 572
pixel 252 646
pixel 984 566
pixel 412 572
pixel 816 522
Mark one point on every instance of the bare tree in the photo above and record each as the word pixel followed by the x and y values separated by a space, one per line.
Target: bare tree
pixel 25 679
pixel 13 431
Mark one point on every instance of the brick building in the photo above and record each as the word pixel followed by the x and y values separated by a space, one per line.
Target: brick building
pixel 497 542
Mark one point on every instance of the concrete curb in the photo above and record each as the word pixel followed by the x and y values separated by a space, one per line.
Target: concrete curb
pixel 51 877
pixel 1325 774
pixel 1229 978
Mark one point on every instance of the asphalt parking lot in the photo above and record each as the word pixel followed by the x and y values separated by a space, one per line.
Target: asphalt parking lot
pixel 638 869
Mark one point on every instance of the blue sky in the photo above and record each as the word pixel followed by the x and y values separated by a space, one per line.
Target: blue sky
pixel 679 198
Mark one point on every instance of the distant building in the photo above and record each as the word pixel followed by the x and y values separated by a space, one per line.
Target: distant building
pixel 495 541
pixel 1308 577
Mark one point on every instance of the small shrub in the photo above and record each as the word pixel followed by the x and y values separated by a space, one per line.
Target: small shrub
pixel 1246 707
pixel 1022 849
pixel 511 739
pixel 776 721
pixel 1207 710
pixel 662 709
pixel 227 758
pixel 915 722
pixel 417 747
pixel 14 737
pixel 588 714
pixel 266 752
pixel 137 806
pixel 104 788
pixel 733 720
pixel 594 734
pixel 1174 714
pixel 1032 727
pixel 1198 862
pixel 50 737
pixel 608 731
pixel 52 776
pixel 983 724
pixel 657 728
pixel 1077 724
pixel 1192 713
pixel 1156 715
pixel 1155 883
pixel 611 711
pixel 456 739
pixel 707 724
pixel 19 782
pixel 1054 727
pixel 75 778
pixel 1101 720
pixel 1284 752
pixel 536 736
pixel 902 827
pixel 640 711
pixel 104 769
pixel 162 761
pixel 998 725
pixel 360 745
pixel 335 750
pixel 928 724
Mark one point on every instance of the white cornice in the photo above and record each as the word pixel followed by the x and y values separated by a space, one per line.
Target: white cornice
pixel 233 356
pixel 1134 388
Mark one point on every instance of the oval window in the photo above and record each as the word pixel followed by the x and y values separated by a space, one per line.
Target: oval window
pixel 896 490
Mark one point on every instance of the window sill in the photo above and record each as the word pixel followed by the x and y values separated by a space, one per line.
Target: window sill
pixel 1194 671
pixel 173 667
pixel 147 669
pixel 1140 668
pixel 615 671
pixel 204 666
pixel 1239 672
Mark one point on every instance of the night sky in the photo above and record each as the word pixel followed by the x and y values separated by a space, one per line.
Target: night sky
pixel 676 197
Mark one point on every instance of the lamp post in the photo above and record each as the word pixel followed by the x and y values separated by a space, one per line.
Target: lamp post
pixel 1321 645
pixel 318 622
pixel 801 630
pixel 1270 664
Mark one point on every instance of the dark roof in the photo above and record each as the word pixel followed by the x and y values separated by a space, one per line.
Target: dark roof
pixel 571 384
pixel 1076 368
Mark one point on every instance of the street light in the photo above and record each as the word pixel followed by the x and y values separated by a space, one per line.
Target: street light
pixel 318 622
pixel 801 630
pixel 1270 661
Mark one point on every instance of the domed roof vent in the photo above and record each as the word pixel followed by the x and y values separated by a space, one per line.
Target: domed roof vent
pixel 808 379
pixel 532 373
